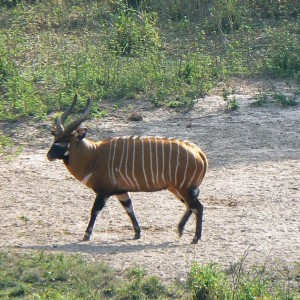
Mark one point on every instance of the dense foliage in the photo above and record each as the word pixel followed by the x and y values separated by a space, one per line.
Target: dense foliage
pixel 168 52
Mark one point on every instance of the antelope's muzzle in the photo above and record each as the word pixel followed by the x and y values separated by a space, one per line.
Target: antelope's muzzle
pixel 56 152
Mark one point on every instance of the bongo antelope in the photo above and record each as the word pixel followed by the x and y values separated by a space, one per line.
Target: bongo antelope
pixel 126 164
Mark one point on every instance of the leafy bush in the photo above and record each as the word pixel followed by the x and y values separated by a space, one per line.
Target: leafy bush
pixel 133 32
pixel 283 54
pixel 226 16
pixel 141 286
pixel 274 8
pixel 208 282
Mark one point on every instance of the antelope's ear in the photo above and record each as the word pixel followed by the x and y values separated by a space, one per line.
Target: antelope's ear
pixel 80 133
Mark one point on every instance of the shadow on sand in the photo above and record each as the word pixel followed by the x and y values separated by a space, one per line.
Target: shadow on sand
pixel 103 248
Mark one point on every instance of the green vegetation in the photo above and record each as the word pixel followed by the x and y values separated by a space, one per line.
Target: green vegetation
pixel 168 52
pixel 210 282
pixel 231 101
pixel 41 275
pixel 8 147
pixel 264 98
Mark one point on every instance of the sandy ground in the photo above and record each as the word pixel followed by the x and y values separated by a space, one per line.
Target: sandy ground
pixel 250 195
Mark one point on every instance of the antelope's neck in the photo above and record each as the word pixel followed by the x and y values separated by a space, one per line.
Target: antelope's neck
pixel 81 157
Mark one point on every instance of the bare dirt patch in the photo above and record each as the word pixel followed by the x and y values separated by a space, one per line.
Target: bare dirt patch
pixel 251 192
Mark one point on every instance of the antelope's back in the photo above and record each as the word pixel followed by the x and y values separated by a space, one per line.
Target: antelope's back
pixel 142 163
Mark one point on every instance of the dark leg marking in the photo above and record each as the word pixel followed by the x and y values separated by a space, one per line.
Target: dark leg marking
pixel 199 220
pixel 197 208
pixel 127 204
pixel 183 221
pixel 97 207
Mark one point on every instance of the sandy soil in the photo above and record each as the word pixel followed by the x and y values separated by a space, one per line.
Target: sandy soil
pixel 251 192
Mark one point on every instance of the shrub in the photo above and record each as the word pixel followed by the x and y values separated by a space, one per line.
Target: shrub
pixel 133 32
pixel 207 282
pixel 282 55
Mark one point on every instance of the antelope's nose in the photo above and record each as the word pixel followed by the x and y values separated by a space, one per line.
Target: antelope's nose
pixel 50 156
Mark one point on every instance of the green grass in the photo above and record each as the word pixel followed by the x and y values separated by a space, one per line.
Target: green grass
pixel 170 55
pixel 42 275
pixel 8 147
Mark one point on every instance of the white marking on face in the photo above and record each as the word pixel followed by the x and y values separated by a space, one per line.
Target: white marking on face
pixel 66 153
pixel 86 178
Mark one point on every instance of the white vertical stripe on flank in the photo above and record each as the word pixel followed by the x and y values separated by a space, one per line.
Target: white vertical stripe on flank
pixel 113 161
pixel 204 162
pixel 156 158
pixel 163 160
pixel 108 163
pixel 121 161
pixel 133 163
pixel 186 167
pixel 150 156
pixel 177 162
pixel 126 162
pixel 170 166
pixel 196 167
pixel 143 163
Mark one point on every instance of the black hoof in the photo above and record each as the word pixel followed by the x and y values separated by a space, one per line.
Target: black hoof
pixel 180 232
pixel 137 236
pixel 86 237
pixel 195 240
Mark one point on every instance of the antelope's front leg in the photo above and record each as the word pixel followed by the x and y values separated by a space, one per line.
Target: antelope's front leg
pixel 127 204
pixel 97 207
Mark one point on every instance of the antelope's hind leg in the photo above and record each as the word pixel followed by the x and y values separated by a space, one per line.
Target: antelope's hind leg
pixel 197 208
pixel 183 220
pixel 127 204
pixel 190 198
